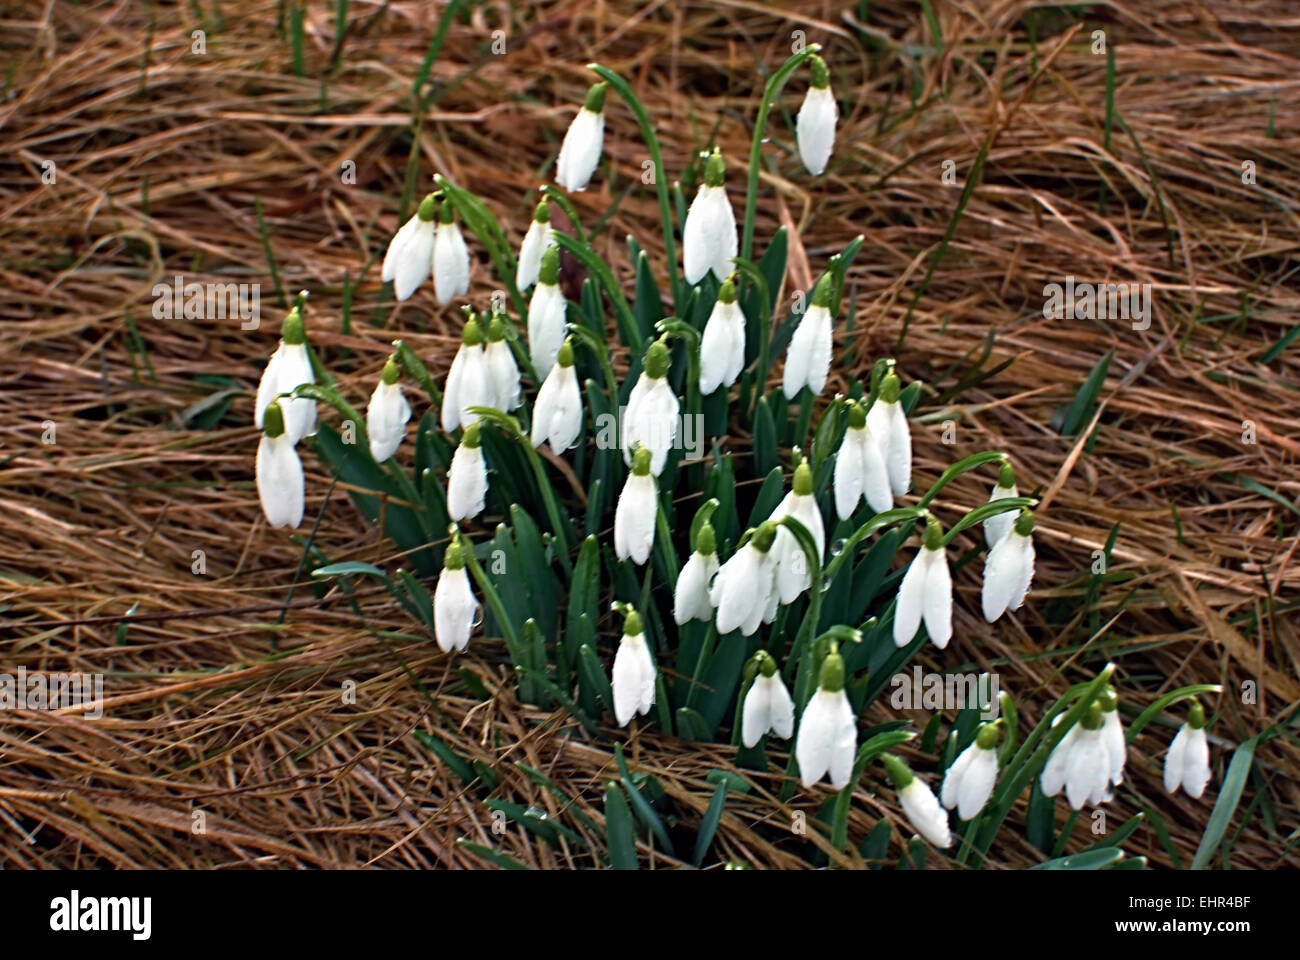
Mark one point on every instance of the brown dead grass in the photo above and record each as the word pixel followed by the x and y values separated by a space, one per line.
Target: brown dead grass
pixel 160 162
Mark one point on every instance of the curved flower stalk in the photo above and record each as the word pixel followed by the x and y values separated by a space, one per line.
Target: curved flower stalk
pixel 888 424
pixel 467 479
pixel 557 414
pixel 536 242
pixel 926 592
pixel 469 381
pixel 288 368
pixel 502 369
pixel 691 599
pixel 637 511
pixel 1080 763
pixel 1187 764
pixel 387 414
pixel 828 730
pixel 650 419
pixel 860 470
pixel 768 707
pixel 792 574
pixel 583 143
pixel 722 348
pixel 409 259
pixel 999 525
pixel 634 672
pixel 709 236
pixel 455 609
pixel 920 806
pixel 1009 569
pixel 744 591
pixel 450 257
pixel 808 358
pixel 546 311
pixel 815 125
pixel 968 784
pixel 280 485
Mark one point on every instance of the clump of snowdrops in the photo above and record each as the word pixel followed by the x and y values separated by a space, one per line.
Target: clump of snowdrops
pixel 761 556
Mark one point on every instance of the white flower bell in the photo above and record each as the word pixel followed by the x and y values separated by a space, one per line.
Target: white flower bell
pixel 888 424
pixel 467 479
pixel 814 127
pixel 637 511
pixel 722 347
pixel 1187 764
pixel 279 472
pixel 919 803
pixel 768 707
pixel 546 309
pixel 828 730
pixel 1080 763
pixel 968 783
pixel 455 610
pixel 860 468
pixel 793 573
pixel 1112 735
pixel 1009 569
pixel 288 368
pixel 580 152
pixel 691 599
pixel 650 418
pixel 450 257
pixel 502 369
pixel 634 672
pixel 999 525
pixel 469 382
pixel 409 259
pixel 557 414
pixel 709 236
pixel 744 591
pixel 387 414
pixel 926 593
pixel 808 358
pixel 536 242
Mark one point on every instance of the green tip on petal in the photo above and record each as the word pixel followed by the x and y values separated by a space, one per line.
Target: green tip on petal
pixel 391 371
pixel 987 737
pixel 899 772
pixel 821 75
pixel 890 388
pixel 596 97
pixel 832 673
pixel 706 541
pixel 824 290
pixel 446 213
pixel 1007 475
pixel 472 335
pixel 1196 716
pixel 428 208
pixel 543 212
pixel 803 479
pixel 273 419
pixel 857 415
pixel 727 292
pixel 1092 720
pixel 933 538
pixel 633 625
pixel 656 360
pixel 1025 523
pixel 496 330
pixel 549 272
pixel 764 536
pixel 766 665
pixel 715 169
pixel 470 438
pixel 641 461
pixel 292 331
pixel 565 357
pixel 454 558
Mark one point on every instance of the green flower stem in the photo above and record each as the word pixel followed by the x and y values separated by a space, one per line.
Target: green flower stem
pixel 957 469
pixel 755 276
pixel 484 226
pixel 770 93
pixel 705 656
pixel 879 522
pixel 980 514
pixel 417 371
pixel 605 277
pixel 661 179
pixel 873 748
pixel 491 597
pixel 680 328
pixel 600 349
pixel 1164 703
pixel 558 197
pixel 803 650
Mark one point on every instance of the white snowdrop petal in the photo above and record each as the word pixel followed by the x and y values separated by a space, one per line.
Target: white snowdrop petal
pixel 634 519
pixel 1196 763
pixel 756 713
pixel 279 481
pixel 909 605
pixel 953 776
pixel 580 152
pixel 924 813
pixel 546 326
pixel 633 679
pixel 999 525
pixel 1112 732
pixel 815 129
pixel 536 240
pixel 454 610
pixel 386 419
pixel 977 785
pixel 450 263
pixel 937 600
pixel 467 483
pixel 1001 576
pixel 1053 778
pixel 1174 759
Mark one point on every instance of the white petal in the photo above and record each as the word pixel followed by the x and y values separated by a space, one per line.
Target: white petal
pixel 1174 759
pixel 937 602
pixel 814 746
pixel 634 519
pixel 536 240
pixel 899 459
pixel 755 717
pixel 808 358
pixel 1196 763
pixel 454 610
pixel 580 151
pixel 546 326
pixel 998 526
pixel 722 347
pixel 1003 573
pixel 1112 735
pixel 876 488
pixel 268 386
pixel 815 129
pixel 691 596
pixel 450 263
pixel 954 775
pixel 911 598
pixel 279 481
pixel 924 813
pixel 849 475
pixel 1053 778
pixel 977 785
pixel 467 483
pixel 386 419
pixel 292 370
pixel 709 237
pixel 633 680
pixel 1086 765
pixel 505 375
pixel 651 420
pixel 410 257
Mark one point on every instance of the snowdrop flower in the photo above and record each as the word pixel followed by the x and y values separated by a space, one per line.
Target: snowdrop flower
pixel 469 382
pixel 635 515
pixel 1112 735
pixel 999 525
pixel 793 575
pixel 501 367
pixel 634 672
pixel 279 472
pixel 691 599
pixel 709 236
pixel 1009 569
pixel 768 707
pixel 450 258
pixel 860 468
pixel 455 611
pixel 808 358
pixel 546 326
pixel 536 241
pixel 288 368
pixel 410 253
pixel 744 591
pixel 722 348
pixel 814 127
pixel 580 151
pixel 650 418
pixel 387 414
pixel 888 424
pixel 828 730
pixel 557 414
pixel 1187 764
pixel 926 592
pixel 467 480
pixel 1080 763
pixel 919 803
pixel 968 784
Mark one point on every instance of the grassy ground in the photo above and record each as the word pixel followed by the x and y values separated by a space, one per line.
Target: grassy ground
pixel 223 686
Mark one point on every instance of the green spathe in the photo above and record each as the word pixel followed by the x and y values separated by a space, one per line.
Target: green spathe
pixel 549 272
pixel 715 169
pixel 391 372
pixel 292 331
pixel 657 360
pixel 273 420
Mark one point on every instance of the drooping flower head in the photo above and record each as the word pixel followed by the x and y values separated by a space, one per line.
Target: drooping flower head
pixel 860 470
pixel 768 707
pixel 828 730
pixel 289 368
pixel 888 424
pixel 546 326
pixel 634 671
pixel 387 414
pixel 580 152
pixel 919 803
pixel 926 592
pixel 722 347
pixel 808 358
pixel 1009 569
pixel 815 124
pixel 469 383
pixel 650 418
pixel 637 511
pixel 744 592
pixel 467 479
pixel 999 525
pixel 450 257
pixel 501 367
pixel 1187 764
pixel 557 414
pixel 409 259
pixel 691 596
pixel 968 783
pixel 709 235
pixel 793 569
pixel 455 610
pixel 279 471
pixel 536 240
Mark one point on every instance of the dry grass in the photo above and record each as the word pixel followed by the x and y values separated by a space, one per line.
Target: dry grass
pixel 161 157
